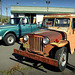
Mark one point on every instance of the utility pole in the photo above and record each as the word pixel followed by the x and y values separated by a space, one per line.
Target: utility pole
pixel 1 15
pixel 47 2
pixel 1 10
pixel 6 13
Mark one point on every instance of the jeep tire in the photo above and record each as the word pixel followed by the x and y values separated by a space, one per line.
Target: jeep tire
pixel 62 56
pixel 9 39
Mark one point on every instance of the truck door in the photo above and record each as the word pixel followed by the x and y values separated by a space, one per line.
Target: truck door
pixel 71 35
pixel 34 27
pixel 25 26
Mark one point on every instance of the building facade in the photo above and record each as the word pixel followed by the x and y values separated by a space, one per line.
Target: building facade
pixel 37 13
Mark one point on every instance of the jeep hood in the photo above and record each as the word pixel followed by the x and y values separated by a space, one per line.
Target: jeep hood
pixel 51 34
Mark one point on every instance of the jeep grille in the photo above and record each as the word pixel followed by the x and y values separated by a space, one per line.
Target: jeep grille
pixel 35 43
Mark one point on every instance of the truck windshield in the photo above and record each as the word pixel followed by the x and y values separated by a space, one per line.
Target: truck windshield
pixel 13 21
pixel 56 22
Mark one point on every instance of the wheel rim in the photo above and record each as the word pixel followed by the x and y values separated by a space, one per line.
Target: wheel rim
pixel 63 59
pixel 10 40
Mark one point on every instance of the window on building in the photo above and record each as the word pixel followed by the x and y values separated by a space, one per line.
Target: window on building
pixel 15 15
pixel 33 18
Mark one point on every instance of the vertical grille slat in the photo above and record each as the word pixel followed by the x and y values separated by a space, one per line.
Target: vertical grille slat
pixel 31 43
pixel 41 44
pixel 35 43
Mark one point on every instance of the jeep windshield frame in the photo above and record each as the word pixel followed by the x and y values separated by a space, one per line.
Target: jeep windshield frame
pixel 56 22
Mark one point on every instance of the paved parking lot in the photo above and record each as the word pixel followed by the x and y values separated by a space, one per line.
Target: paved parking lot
pixel 12 66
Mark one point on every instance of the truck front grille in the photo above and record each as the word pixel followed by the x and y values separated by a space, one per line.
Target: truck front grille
pixel 35 43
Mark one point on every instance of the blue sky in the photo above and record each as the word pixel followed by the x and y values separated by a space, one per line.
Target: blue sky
pixel 54 3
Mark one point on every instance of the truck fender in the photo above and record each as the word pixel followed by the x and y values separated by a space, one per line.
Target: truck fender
pixel 9 32
pixel 61 43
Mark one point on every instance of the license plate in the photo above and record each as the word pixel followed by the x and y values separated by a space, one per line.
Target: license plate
pixel 26 45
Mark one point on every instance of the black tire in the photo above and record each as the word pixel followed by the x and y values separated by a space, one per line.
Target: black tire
pixel 62 56
pixel 9 39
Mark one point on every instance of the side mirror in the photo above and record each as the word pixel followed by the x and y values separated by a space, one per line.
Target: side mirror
pixel 39 24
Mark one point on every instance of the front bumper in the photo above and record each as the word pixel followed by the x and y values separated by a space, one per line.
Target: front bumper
pixel 0 37
pixel 43 59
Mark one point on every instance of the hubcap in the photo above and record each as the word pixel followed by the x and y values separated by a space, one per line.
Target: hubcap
pixel 63 59
pixel 10 40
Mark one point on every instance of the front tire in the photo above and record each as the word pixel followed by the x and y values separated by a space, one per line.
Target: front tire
pixel 9 39
pixel 62 56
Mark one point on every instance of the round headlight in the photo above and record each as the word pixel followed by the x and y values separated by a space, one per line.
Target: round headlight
pixel 45 40
pixel 26 37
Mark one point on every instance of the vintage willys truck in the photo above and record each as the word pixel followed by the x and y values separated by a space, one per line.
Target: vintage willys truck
pixel 52 43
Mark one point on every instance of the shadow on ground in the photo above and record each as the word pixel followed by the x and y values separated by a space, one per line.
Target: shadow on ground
pixel 70 67
pixel 20 60
pixel 1 42
pixel 36 66
pixel 34 63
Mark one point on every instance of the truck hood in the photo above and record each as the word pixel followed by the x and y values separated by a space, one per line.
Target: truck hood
pixel 6 26
pixel 51 34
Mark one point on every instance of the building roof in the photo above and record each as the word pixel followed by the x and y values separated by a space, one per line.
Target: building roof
pixel 32 9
